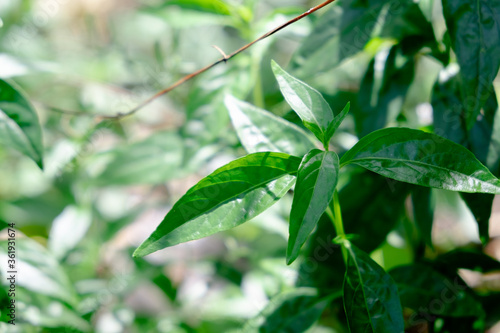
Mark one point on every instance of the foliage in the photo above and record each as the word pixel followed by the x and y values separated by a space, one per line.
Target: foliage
pixel 317 195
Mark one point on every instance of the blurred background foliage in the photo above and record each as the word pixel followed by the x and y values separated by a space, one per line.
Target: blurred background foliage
pixel 107 184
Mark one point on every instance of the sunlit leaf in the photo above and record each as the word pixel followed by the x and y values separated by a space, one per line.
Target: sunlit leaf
pixel 260 130
pixel 293 311
pixel 371 299
pixel 422 158
pixel 231 195
pixel 316 182
pixel 309 104
pixel 477 50
pixel 19 125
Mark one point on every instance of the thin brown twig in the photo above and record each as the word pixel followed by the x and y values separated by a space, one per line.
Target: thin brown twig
pixel 224 59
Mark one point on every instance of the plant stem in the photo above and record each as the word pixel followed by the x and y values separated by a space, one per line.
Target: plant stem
pixel 336 217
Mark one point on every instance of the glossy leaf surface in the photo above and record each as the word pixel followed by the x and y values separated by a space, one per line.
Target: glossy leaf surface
pixel 316 182
pixel 309 104
pixel 294 311
pixel 482 140
pixel 19 125
pixel 371 299
pixel 422 288
pixel 231 195
pixel 422 158
pixel 477 50
pixel 260 130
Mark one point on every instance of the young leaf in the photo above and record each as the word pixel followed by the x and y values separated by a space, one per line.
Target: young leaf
pixel 307 102
pixel 293 311
pixel 334 125
pixel 19 126
pixel 477 50
pixel 260 130
pixel 231 195
pixel 316 182
pixel 371 299
pixel 422 158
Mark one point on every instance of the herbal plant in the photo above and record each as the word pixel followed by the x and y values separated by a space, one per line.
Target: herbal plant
pixel 428 64
pixel 283 156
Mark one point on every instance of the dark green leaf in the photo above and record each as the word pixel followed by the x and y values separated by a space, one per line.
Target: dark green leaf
pixel 422 158
pixel 3 225
pixel 307 102
pixel 423 289
pixel 371 299
pixel 468 259
pixel 474 28
pixel 382 200
pixel 340 33
pixel 423 212
pixel 316 182
pixel 381 99
pixel 294 312
pixel 482 140
pixel 323 263
pixel 231 195
pixel 260 130
pixel 151 161
pixel 19 125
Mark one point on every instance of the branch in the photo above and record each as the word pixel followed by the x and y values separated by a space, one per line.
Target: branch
pixel 224 59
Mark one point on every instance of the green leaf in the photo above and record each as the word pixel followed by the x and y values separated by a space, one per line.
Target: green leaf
pixel 423 212
pixel 19 125
pixel 68 229
pixel 309 104
pixel 382 94
pixel 371 299
pixel 209 6
pixel 293 311
pixel 383 202
pixel 334 125
pixel 422 158
pixel 230 196
pixel 316 182
pixel 260 130
pixel 153 160
pixel 423 289
pixel 474 28
pixel 39 271
pixel 482 140
pixel 340 33
pixel 468 259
